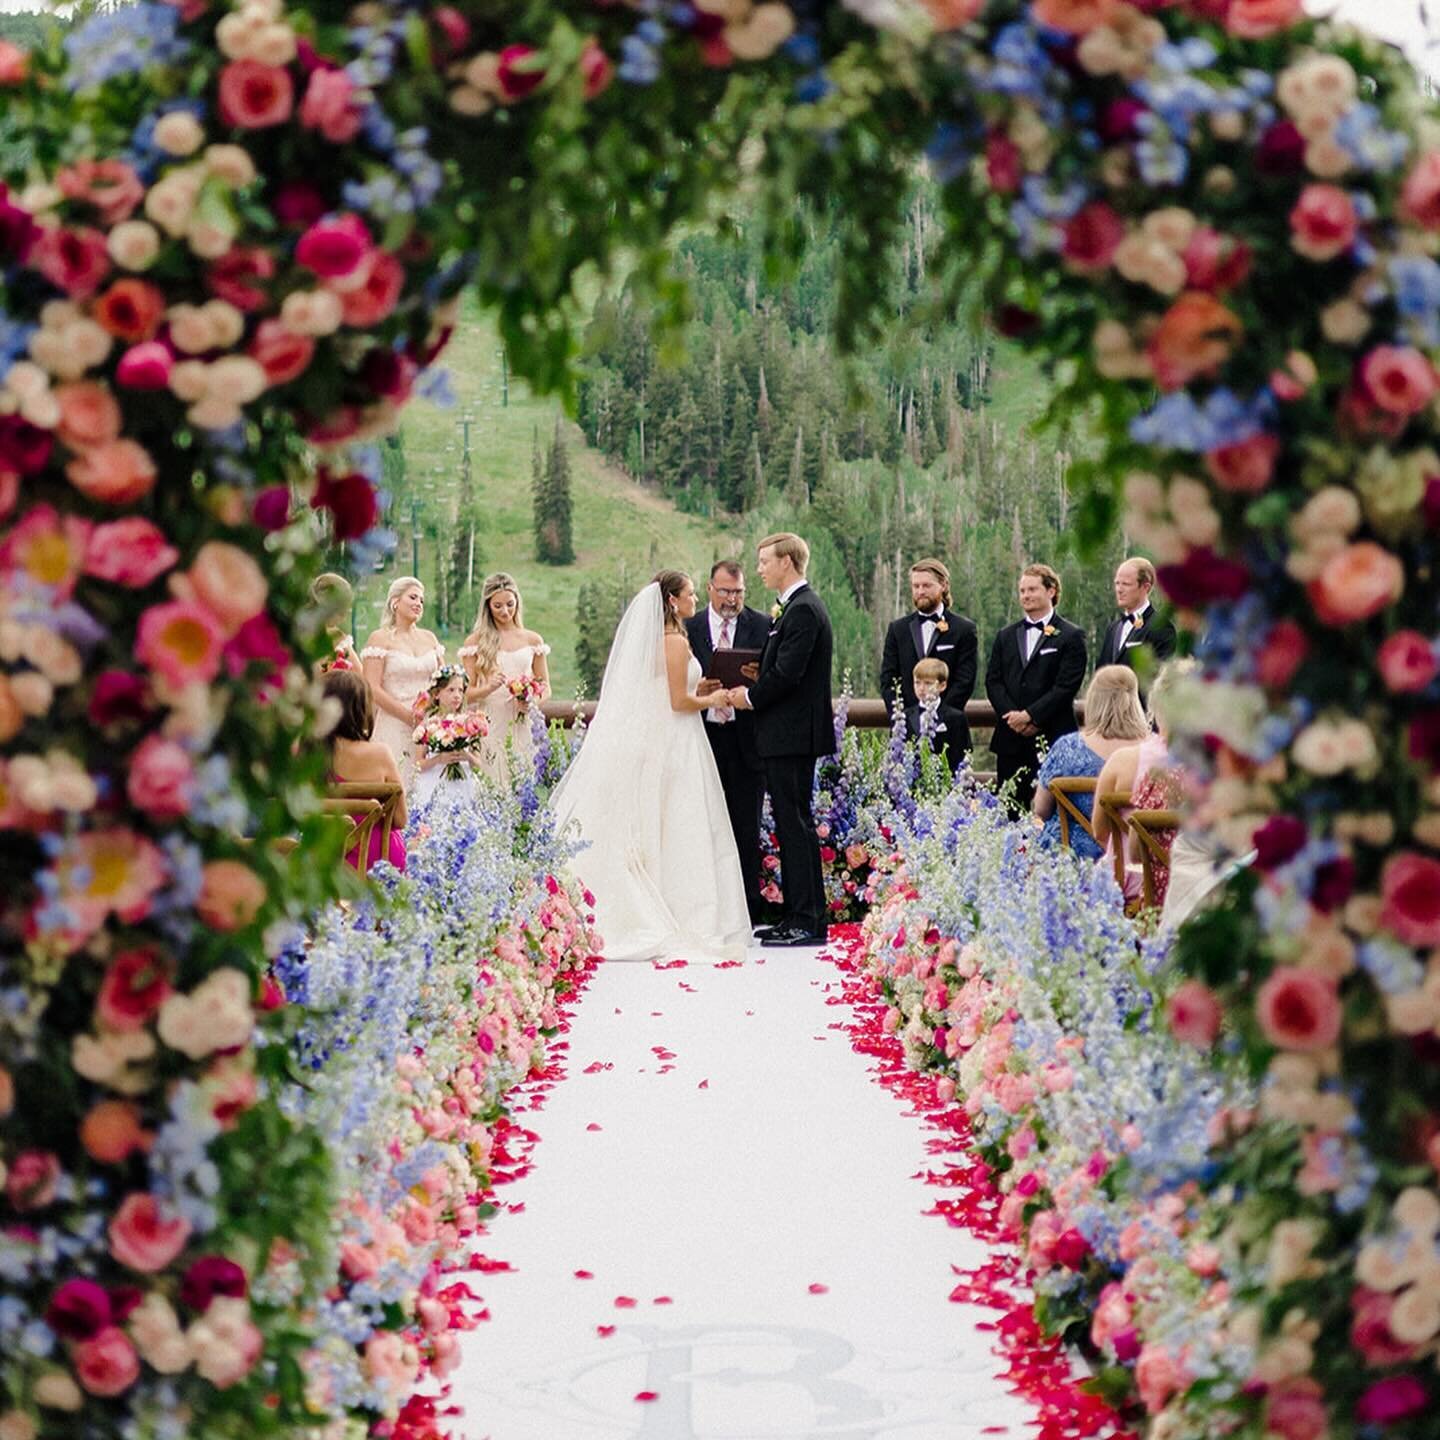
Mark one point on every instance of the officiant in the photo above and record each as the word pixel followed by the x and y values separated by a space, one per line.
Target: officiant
pixel 727 623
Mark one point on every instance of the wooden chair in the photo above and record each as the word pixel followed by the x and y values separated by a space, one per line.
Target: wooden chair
pixel 1114 807
pixel 1146 826
pixel 1061 788
pixel 364 804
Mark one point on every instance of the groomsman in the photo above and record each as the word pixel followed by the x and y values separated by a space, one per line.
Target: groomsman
pixel 1037 666
pixel 794 726
pixel 1138 624
pixel 727 623
pixel 932 631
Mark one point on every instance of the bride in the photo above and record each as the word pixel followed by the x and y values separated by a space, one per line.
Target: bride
pixel 646 796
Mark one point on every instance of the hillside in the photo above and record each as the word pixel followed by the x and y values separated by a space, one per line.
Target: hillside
pixel 619 526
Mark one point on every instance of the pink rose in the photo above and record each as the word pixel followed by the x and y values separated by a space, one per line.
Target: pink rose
pixel 1396 1398
pixel 596 69
pixel 1420 194
pixel 1072 1249
pixel 1282 652
pixel 110 186
pixel 233 277
pixel 47 549
pixel 1295 1410
pixel 255 96
pixel 161 782
pixel 227 1343
pixel 1257 19
pixel 75 260
pixel 135 986
pixel 32 1180
pixel 1359 581
pixel 1406 662
pixel 115 473
pixel 371 302
pixel 281 354
pixel 1157 1377
pixel 14 64
pixel 520 71
pixel 357 1262
pixel 1410 896
pixel 1004 165
pixel 1370 1331
pixel 1299 1009
pixel 334 249
pixel 180 641
pixel 1194 1014
pixel 226 581
pixel 145 1236
pixel 329 106
pixel 89 414
pixel 1215 262
pixel 1323 223
pixel 146 367
pixel 106 1364
pixel 1090 239
pixel 1398 379
pixel 1245 467
pixel 131 552
pixel 231 895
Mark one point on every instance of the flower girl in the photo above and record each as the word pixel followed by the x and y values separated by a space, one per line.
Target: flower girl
pixel 447 738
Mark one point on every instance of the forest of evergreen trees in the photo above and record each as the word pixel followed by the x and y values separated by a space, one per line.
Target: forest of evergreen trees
pixel 876 460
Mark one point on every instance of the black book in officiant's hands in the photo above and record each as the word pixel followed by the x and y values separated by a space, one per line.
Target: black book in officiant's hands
pixel 726 667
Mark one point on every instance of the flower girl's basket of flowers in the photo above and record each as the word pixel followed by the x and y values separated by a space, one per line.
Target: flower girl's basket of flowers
pixel 452 735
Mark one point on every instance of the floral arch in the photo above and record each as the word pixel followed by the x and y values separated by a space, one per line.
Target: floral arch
pixel 232 241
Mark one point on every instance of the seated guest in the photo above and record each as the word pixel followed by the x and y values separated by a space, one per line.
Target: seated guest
pixel 333 598
pixel 357 759
pixel 1151 777
pixel 1114 721
pixel 930 716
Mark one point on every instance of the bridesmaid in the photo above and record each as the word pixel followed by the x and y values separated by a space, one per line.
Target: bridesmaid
pixel 332 596
pixel 399 659
pixel 498 650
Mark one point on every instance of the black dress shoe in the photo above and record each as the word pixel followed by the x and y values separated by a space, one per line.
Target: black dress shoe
pixel 792 935
pixel 763 932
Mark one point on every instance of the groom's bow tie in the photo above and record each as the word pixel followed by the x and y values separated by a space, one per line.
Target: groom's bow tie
pixel 1034 624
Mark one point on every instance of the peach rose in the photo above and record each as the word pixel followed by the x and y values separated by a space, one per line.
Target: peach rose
pixel 1194 339
pixel 227 581
pixel 1357 582
pixel 1075 17
pixel 231 895
pixel 115 472
pixel 1323 223
pixel 111 1132
pixel 1299 1009
pixel 131 310
pixel 1256 19
pixel 107 1363
pixel 144 1235
pixel 89 414
pixel 7 1092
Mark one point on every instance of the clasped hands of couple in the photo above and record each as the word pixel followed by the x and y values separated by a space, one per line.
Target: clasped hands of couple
pixel 718 695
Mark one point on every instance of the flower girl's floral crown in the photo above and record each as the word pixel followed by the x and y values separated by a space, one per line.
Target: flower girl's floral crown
pixel 444 675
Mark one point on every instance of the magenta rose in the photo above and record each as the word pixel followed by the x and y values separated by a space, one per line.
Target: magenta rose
pixel 209 1276
pixel 33 1179
pixel 1278 839
pixel 78 1310
pixel 1299 1009
pixel 1194 1014
pixel 1091 237
pixel 106 1364
pixel 1215 262
pixel 134 988
pixel 118 699
pixel 24 448
pixel 351 502
pixel 520 72
pixel 1410 898
pixel 1406 662
pixel 1202 578
pixel 1281 150
pixel 18 230
pixel 255 96
pixel 146 366
pixel 334 249
pixel 131 552
pixel 1396 1398
pixel 1072 1249
pixel 1333 885
pixel 144 1235
pixel 271 509
pixel 298 202
pixel 1422 738
pixel 1120 120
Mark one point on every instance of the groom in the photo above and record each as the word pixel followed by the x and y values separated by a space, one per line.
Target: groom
pixel 794 724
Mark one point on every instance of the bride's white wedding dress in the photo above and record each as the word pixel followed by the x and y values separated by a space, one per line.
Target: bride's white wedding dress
pixel 646 796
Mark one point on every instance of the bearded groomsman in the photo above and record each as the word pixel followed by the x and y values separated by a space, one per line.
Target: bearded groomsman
pixel 727 623
pixel 932 631
pixel 1138 625
pixel 1037 666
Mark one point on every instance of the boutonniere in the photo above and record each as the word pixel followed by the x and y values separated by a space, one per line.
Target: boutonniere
pixel 1049 630
pixel 941 625
pixel 777 610
pixel 1136 624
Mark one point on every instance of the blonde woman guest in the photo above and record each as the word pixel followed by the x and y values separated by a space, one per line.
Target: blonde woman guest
pixel 332 597
pixel 1114 721
pixel 399 659
pixel 496 652
pixel 1152 779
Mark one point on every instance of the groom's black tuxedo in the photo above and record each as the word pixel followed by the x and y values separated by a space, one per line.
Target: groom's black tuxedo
pixel 1045 685
pixel 733 745
pixel 794 724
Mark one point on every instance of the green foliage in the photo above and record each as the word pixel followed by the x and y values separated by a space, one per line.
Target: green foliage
pixel 599 605
pixel 554 522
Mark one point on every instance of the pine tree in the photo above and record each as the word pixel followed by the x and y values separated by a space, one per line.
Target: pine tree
pixel 554 530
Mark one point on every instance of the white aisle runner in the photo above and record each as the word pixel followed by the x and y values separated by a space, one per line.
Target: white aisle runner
pixel 743 1156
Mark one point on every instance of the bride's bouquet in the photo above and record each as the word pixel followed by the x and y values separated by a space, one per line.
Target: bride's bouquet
pixel 452 734
pixel 526 689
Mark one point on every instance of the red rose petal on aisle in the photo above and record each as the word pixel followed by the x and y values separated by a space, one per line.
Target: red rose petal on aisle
pixel 729 964
pixel 593 1126
pixel 646 1396
pixel 703 1085
pixel 662 1300
pixel 818 1289
pixel 604 1331
pixel 584 1275
pixel 625 1302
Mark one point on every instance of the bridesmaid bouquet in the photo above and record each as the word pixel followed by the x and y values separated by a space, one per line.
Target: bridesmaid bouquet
pixel 452 734
pixel 526 689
